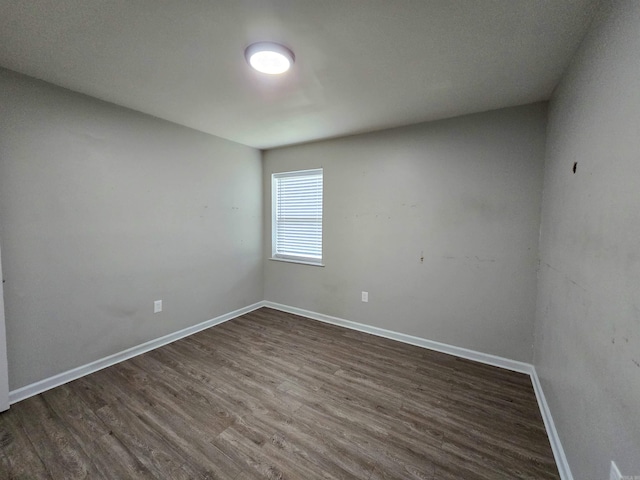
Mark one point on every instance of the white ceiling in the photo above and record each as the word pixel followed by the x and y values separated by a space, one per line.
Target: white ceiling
pixel 361 65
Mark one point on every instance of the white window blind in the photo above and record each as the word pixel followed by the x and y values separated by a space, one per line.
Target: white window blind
pixel 297 215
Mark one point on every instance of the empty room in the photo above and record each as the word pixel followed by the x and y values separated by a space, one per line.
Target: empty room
pixel 337 239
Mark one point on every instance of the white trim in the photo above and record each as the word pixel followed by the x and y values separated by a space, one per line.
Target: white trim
pixel 614 473
pixel 301 262
pixel 276 179
pixel 410 339
pixel 75 373
pixel 496 361
pixel 501 362
pixel 552 433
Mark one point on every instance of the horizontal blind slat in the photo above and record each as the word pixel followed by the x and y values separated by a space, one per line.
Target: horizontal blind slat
pixel 298 214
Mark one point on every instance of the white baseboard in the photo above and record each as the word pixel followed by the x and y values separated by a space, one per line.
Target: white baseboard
pixel 522 367
pixel 552 433
pixel 614 472
pixel 73 374
pixel 486 358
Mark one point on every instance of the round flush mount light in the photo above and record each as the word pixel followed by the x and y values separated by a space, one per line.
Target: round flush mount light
pixel 268 57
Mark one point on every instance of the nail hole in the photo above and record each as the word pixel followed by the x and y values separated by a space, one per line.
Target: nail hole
pixel 575 166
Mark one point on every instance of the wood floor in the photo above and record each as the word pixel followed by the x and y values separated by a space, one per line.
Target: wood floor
pixel 273 395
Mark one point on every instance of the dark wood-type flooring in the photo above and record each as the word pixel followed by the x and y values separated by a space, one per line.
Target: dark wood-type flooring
pixel 273 395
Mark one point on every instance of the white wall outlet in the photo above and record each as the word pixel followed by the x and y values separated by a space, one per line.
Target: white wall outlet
pixel 157 306
pixel 365 296
pixel 614 474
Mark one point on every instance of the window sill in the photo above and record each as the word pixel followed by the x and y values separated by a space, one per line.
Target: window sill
pixel 302 262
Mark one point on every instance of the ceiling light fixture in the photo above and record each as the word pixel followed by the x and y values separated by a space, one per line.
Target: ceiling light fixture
pixel 268 57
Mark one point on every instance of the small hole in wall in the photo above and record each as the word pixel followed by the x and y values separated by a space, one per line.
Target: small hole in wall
pixel 575 167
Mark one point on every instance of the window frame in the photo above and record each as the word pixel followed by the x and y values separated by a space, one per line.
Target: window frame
pixel 294 258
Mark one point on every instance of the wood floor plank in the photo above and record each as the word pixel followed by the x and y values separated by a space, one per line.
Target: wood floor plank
pixel 303 439
pixel 275 395
pixel 155 452
pixel 62 455
pixel 79 418
pixel 115 461
pixel 112 458
pixel 185 433
pixel 19 457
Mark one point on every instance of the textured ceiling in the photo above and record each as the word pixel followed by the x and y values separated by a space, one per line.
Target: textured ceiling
pixel 361 65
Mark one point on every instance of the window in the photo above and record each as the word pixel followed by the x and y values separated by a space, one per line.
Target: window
pixel 297 216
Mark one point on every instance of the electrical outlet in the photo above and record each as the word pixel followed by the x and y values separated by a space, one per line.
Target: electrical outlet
pixel 157 306
pixel 614 474
pixel 365 296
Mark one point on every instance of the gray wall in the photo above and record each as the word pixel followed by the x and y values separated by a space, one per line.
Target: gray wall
pixel 104 210
pixel 462 193
pixel 588 312
pixel 4 371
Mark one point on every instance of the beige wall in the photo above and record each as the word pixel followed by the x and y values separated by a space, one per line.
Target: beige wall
pixel 464 194
pixel 104 210
pixel 588 312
